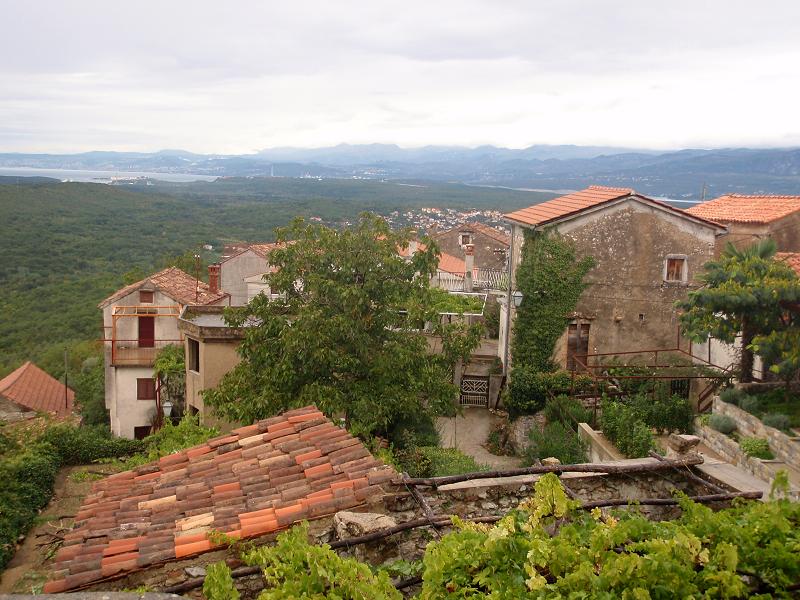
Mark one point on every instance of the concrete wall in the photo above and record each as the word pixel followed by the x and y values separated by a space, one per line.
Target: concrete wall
pixel 125 410
pixel 234 271
pixel 485 246
pixel 217 357
pixel 600 449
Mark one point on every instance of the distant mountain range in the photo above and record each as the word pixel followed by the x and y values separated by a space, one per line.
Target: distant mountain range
pixel 678 174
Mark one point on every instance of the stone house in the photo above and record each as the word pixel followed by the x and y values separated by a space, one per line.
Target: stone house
pixel 139 320
pixel 753 218
pixel 242 273
pixel 647 257
pixel 490 246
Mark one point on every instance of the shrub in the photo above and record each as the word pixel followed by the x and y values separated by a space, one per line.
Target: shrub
pixel 432 461
pixel 567 410
pixel 172 438
pixel 558 440
pixel 722 423
pixel 750 404
pixel 756 447
pixel 732 395
pixel 664 412
pixel 529 390
pixel 415 429
pixel 777 420
pixel 82 445
pixel 626 429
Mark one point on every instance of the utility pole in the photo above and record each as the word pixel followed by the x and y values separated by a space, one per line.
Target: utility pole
pixel 703 193
pixel 66 386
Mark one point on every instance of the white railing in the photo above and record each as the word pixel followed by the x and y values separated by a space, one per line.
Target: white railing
pixel 482 279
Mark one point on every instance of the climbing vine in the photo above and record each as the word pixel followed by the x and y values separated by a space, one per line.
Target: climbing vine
pixel 550 277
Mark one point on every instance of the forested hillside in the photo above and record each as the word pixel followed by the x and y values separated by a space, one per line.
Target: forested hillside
pixel 66 246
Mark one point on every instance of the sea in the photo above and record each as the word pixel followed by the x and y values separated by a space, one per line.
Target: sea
pixel 99 176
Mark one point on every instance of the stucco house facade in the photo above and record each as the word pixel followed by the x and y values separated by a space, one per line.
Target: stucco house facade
pixel 139 320
pixel 647 256
pixel 753 218
pixel 241 274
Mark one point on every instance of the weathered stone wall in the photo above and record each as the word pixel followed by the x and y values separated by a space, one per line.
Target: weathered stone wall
pixel 489 253
pixel 785 448
pixel 730 451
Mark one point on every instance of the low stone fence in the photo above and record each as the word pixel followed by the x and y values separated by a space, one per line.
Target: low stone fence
pixel 730 451
pixel 600 448
pixel 785 448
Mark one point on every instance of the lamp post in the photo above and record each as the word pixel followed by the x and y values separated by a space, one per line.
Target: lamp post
pixel 166 406
pixel 516 297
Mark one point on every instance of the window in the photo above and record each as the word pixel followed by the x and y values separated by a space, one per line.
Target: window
pixel 145 297
pixel 193 355
pixel 146 389
pixel 466 238
pixel 141 432
pixel 675 268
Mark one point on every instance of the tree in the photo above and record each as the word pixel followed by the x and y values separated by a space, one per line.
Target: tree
pixel 743 294
pixel 550 277
pixel 345 333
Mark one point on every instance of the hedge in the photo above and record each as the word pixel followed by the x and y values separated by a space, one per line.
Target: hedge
pixel 529 390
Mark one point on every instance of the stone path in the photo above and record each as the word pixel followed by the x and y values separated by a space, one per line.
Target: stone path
pixel 468 433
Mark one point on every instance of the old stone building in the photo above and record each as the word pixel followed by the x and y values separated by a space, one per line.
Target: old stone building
pixel 647 256
pixel 490 245
pixel 753 218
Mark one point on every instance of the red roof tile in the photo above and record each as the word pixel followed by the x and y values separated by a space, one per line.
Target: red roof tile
pixel 177 284
pixel 790 258
pixel 303 466
pixel 32 388
pixel 595 195
pixel 737 208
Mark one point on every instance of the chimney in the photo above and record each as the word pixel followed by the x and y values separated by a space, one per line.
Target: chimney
pixel 469 264
pixel 213 278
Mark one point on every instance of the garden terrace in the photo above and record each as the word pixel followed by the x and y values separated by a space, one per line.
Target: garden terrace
pixel 252 482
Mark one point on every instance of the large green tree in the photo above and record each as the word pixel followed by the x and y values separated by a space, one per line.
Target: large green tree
pixel 345 332
pixel 744 293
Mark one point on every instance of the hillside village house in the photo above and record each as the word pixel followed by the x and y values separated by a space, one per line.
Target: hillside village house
pixel 242 273
pixel 648 255
pixel 490 246
pixel 139 320
pixel 29 390
pixel 753 218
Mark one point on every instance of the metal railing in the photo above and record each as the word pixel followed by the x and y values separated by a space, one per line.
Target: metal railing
pixel 482 279
pixel 138 353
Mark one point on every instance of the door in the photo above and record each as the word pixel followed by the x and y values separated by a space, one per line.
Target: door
pixel 147 332
pixel 577 345
pixel 475 391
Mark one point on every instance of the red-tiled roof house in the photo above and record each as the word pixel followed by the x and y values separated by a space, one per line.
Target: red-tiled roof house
pixel 29 389
pixel 138 320
pixel 647 256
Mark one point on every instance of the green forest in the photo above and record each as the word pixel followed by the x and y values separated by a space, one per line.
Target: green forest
pixel 66 246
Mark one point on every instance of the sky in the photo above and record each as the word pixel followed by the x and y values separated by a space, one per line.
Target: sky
pixel 235 77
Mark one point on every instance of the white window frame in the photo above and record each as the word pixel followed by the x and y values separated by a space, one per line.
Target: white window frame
pixel 684 271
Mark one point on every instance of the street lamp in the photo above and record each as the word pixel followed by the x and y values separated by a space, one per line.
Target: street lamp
pixel 167 408
pixel 517 298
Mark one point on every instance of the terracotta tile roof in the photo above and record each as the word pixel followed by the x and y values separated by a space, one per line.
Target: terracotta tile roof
pixel 177 284
pixel 254 481
pixel 737 208
pixel 563 206
pixel 790 258
pixel 261 250
pixel 451 264
pixel 406 251
pixel 32 388
pixel 499 236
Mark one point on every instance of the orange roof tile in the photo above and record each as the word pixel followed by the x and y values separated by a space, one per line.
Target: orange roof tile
pixel 738 208
pixel 563 206
pixel 177 284
pixel 451 264
pixel 253 481
pixel 790 258
pixel 499 236
pixel 32 388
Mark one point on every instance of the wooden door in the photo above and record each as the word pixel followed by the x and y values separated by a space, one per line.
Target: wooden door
pixel 577 345
pixel 147 332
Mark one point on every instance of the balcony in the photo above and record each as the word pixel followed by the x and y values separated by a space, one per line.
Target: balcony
pixel 137 353
pixel 482 280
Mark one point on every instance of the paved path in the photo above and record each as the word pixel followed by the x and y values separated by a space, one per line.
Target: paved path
pixel 468 433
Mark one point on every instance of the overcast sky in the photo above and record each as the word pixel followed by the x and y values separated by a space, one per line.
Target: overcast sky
pixel 235 77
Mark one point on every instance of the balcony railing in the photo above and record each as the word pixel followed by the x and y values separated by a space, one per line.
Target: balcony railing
pixel 137 353
pixel 482 279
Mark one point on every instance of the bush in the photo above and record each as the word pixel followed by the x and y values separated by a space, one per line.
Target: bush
pixel 83 445
pixel 750 404
pixel 529 390
pixel 777 420
pixel 732 395
pixel 558 440
pixel 415 429
pixel 756 447
pixel 432 461
pixel 172 438
pixel 626 429
pixel 567 410
pixel 663 412
pixel 722 423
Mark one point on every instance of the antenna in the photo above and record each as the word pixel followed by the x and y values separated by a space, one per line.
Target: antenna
pixel 703 193
pixel 196 278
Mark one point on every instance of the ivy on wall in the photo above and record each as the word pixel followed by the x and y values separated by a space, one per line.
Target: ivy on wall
pixel 550 277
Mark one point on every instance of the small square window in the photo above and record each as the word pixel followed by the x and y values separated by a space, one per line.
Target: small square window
pixel 675 269
pixel 466 238
pixel 193 355
pixel 146 389
pixel 145 297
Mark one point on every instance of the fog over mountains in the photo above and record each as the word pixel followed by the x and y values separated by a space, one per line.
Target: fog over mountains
pixel 677 174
